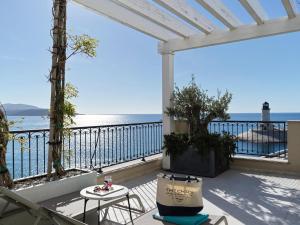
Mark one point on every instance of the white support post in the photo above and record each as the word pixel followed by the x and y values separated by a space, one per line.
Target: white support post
pixel 167 91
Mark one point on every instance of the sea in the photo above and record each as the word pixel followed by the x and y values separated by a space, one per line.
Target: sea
pixel 37 122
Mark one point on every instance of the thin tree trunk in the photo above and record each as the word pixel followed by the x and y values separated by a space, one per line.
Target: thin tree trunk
pixel 5 178
pixel 57 79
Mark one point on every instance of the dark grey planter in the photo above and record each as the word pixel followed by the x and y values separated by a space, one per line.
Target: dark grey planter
pixel 192 163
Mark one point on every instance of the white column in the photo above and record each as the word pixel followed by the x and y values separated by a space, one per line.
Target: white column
pixel 167 90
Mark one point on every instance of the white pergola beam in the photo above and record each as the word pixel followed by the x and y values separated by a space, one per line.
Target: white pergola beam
pixel 255 9
pixel 128 18
pixel 269 28
pixel 183 10
pixel 145 9
pixel 221 12
pixel 290 8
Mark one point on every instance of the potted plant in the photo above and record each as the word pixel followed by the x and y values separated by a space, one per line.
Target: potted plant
pixel 197 151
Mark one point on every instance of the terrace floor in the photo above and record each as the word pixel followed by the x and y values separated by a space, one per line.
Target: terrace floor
pixel 243 197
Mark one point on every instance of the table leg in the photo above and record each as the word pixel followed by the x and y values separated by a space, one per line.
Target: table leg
pixel 84 209
pixel 129 208
pixel 98 212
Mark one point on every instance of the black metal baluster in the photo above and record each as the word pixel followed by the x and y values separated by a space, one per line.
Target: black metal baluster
pixel 237 132
pixel 116 146
pixel 80 163
pixel 95 152
pixel 161 138
pixel 69 148
pixel 268 135
pixel 257 127
pixel 144 141
pixel 112 146
pixel 284 138
pixel 279 138
pixel 140 140
pixel 134 141
pixel 37 154
pixel 44 150
pixel 100 155
pixel 108 159
pixel 118 153
pixel 127 143
pixel 123 128
pixel 13 157
pixel 157 140
pixel 90 159
pixel 29 153
pixel 104 149
pixel 247 129
pixel 252 150
pixel 63 150
pixel 273 145
pixel 22 156
pixel 242 137
pixel 137 141
pixel 120 145
pixel 148 143
pixel 237 142
pixel 151 148
pixel 130 136
pixel 85 138
pixel 75 149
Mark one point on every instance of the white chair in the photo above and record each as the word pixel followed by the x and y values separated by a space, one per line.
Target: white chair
pixel 30 213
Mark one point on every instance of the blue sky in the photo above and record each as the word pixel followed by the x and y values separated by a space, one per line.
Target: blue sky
pixel 125 77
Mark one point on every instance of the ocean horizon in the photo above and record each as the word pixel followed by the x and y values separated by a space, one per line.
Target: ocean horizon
pixel 39 122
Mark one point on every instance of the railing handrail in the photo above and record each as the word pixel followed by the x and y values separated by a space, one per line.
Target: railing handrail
pixel 144 123
pixel 86 127
pixel 247 121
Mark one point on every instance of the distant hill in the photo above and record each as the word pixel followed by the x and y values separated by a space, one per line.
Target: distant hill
pixel 24 110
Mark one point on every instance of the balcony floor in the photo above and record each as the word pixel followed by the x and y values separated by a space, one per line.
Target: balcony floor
pixel 243 197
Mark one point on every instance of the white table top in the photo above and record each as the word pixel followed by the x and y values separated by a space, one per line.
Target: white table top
pixel 107 197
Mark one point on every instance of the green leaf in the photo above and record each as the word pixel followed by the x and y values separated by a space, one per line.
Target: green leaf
pixel 82 44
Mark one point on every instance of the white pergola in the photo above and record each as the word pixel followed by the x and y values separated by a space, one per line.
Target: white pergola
pixel 178 26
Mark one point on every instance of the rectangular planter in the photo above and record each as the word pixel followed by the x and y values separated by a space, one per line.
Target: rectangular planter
pixel 52 189
pixel 190 162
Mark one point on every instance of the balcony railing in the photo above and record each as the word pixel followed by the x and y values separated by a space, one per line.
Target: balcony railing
pixel 268 139
pixel 102 146
pixel 84 147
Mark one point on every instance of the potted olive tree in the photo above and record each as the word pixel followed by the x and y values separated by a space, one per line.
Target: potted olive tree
pixel 197 151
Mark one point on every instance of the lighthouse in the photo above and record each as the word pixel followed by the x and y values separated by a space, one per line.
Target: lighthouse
pixel 266 130
pixel 265 114
pixel 265 117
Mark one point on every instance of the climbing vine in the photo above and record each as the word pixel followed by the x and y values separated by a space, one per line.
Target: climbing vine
pixel 61 110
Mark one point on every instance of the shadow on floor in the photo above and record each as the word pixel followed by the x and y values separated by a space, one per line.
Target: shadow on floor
pixel 255 199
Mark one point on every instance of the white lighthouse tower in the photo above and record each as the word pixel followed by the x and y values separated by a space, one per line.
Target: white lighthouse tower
pixel 265 113
pixel 265 116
